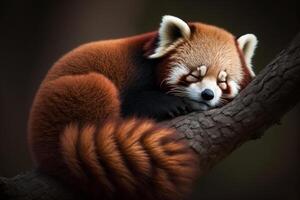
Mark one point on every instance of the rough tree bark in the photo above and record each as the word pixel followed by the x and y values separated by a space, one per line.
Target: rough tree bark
pixel 213 134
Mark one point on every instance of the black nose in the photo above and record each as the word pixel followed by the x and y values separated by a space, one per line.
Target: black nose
pixel 207 94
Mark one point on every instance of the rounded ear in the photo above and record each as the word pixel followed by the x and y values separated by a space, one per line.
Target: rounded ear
pixel 172 31
pixel 247 43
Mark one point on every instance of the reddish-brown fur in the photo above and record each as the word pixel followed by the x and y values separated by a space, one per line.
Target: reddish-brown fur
pixel 76 132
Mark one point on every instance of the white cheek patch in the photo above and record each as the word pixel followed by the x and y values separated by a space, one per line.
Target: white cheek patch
pixel 176 73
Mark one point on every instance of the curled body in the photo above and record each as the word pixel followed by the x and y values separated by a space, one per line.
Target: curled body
pixel 93 120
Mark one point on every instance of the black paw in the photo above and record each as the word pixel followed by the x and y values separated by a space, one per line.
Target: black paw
pixel 177 107
pixel 156 105
pixel 194 106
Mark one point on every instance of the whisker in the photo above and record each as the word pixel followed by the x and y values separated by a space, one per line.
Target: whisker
pixel 163 81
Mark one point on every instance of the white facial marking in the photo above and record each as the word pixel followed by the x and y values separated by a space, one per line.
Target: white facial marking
pixel 202 69
pixel 176 73
pixel 194 91
pixel 222 76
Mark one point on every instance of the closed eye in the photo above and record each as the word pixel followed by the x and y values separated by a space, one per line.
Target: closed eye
pixel 222 80
pixel 223 85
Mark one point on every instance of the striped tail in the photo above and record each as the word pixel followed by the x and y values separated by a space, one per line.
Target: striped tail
pixel 76 134
pixel 132 159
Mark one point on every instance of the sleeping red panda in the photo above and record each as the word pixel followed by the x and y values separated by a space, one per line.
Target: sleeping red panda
pixel 92 123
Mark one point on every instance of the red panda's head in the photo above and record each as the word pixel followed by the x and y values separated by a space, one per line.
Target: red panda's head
pixel 203 63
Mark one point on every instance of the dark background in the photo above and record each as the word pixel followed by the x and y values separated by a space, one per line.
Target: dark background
pixel 33 34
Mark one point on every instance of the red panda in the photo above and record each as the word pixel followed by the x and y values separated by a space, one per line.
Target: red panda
pixel 92 123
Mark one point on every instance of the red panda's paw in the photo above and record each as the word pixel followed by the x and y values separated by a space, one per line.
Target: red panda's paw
pixel 195 106
pixel 168 106
pixel 157 105
pixel 178 106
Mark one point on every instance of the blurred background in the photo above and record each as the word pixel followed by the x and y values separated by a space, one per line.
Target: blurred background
pixel 34 34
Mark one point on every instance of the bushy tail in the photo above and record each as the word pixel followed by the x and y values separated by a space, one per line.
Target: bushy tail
pixel 102 154
pixel 132 159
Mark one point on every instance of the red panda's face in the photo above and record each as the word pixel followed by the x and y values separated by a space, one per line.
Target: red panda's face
pixel 203 63
pixel 203 84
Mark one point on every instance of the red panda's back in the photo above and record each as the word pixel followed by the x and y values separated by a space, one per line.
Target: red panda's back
pixel 116 59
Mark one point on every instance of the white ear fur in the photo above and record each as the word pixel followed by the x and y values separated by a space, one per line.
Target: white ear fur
pixel 171 30
pixel 247 44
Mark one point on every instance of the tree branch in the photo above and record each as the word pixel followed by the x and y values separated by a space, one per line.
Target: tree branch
pixel 213 134
pixel 216 133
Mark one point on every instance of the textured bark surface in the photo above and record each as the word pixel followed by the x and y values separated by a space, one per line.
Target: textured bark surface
pixel 213 134
pixel 216 133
